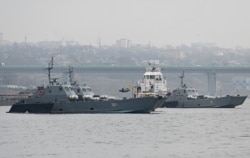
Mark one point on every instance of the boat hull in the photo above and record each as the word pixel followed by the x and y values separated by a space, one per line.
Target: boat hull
pixel 132 105
pixel 221 102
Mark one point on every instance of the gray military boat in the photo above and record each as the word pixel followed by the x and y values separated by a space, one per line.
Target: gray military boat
pixel 185 97
pixel 61 98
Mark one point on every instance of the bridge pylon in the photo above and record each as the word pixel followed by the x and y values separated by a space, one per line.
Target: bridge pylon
pixel 211 83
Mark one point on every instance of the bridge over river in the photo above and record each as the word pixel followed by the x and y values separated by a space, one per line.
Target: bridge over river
pixel 210 71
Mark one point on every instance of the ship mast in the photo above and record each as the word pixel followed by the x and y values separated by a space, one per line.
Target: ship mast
pixel 181 77
pixel 71 75
pixel 50 67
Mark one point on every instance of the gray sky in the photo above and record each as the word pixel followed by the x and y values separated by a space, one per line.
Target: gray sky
pixel 158 22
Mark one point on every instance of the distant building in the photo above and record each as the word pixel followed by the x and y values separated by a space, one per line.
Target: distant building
pixel 1 36
pixel 123 43
pixel 2 41
pixel 57 43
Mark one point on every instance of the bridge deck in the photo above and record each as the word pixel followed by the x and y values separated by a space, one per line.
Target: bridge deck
pixel 123 69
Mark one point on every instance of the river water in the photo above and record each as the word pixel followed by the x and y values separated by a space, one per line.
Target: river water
pixel 177 133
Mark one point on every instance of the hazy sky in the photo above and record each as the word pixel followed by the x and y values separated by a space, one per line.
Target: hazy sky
pixel 159 22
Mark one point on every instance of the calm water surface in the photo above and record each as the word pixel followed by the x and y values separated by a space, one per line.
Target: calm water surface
pixel 165 133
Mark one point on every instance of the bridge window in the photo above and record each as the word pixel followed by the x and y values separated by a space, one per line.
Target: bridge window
pixel 158 77
pixel 152 77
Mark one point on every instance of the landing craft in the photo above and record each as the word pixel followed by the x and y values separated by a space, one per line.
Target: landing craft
pixel 185 97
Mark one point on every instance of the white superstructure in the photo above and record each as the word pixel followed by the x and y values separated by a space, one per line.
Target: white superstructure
pixel 153 83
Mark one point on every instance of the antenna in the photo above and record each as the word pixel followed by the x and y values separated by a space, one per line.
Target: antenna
pixel 99 42
pixel 50 67
pixel 71 75
pixel 181 77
